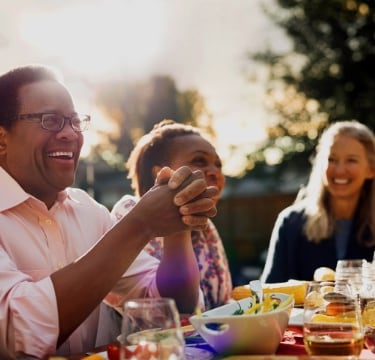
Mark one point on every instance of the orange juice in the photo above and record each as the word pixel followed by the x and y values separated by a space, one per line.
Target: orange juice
pixel 333 340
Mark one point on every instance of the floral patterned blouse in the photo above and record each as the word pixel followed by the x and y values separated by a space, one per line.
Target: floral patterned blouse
pixel 215 277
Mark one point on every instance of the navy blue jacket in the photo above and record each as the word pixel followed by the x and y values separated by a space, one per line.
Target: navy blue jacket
pixel 292 256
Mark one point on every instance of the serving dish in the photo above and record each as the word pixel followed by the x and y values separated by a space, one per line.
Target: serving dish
pixel 256 333
pixel 297 288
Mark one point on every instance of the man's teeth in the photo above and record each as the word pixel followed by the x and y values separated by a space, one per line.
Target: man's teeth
pixel 340 181
pixel 65 154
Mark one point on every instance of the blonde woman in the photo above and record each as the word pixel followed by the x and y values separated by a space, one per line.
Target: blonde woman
pixel 333 217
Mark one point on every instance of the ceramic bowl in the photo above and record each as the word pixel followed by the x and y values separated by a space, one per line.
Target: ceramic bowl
pixel 229 334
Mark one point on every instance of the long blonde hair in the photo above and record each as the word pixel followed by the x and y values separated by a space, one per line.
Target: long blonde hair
pixel 315 197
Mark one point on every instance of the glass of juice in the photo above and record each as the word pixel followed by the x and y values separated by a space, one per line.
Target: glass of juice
pixel 332 320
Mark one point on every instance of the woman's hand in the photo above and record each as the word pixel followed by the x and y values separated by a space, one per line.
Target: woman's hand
pixel 195 198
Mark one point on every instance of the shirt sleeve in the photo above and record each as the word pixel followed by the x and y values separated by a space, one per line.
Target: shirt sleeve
pixel 123 206
pixel 138 281
pixel 28 312
pixel 140 278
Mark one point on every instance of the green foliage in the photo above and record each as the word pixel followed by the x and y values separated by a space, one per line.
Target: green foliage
pixel 327 75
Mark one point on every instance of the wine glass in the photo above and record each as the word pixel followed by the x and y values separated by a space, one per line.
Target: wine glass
pixel 332 320
pixel 151 330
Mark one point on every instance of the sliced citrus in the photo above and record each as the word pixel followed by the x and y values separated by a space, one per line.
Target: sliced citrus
pixel 323 318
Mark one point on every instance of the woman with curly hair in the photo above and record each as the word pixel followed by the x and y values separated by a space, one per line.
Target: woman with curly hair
pixel 174 145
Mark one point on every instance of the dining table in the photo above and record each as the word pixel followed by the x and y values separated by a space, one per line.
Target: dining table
pixel 291 347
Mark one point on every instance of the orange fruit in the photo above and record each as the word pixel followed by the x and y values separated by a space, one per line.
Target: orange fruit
pixel 241 292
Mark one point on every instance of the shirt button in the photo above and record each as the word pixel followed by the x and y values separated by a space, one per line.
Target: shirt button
pixel 48 221
pixel 60 265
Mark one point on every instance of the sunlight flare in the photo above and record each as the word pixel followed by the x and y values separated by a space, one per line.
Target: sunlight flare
pixel 113 35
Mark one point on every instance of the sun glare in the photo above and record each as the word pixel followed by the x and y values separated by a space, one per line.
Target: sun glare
pixel 100 125
pixel 110 36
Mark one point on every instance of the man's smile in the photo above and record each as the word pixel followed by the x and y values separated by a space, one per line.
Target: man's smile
pixel 61 154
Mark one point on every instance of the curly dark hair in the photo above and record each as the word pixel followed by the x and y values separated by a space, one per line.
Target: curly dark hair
pixel 151 150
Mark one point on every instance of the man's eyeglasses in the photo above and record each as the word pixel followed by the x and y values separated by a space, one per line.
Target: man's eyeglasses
pixel 56 122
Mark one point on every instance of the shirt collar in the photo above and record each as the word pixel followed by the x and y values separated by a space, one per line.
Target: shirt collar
pixel 12 194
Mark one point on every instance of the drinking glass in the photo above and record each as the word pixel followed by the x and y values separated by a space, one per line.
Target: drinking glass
pixel 350 270
pixel 332 320
pixel 151 330
pixel 367 296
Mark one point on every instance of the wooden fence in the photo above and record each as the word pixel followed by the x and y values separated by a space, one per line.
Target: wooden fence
pixel 245 224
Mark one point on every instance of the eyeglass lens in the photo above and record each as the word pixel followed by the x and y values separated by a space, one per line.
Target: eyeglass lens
pixel 55 122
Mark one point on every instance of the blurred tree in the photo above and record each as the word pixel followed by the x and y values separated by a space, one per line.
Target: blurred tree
pixel 328 75
pixel 133 109
pixel 162 103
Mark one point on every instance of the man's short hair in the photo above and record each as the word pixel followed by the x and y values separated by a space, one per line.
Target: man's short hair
pixel 12 81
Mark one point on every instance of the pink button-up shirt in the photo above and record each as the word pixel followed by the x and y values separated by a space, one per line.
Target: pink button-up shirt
pixel 35 242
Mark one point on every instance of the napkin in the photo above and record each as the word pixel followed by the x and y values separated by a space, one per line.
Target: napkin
pixel 292 342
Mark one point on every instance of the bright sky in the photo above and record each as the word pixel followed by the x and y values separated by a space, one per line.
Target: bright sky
pixel 202 44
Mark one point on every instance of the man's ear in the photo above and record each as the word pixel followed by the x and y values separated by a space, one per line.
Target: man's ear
pixel 3 140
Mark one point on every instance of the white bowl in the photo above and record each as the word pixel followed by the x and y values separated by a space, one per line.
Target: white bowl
pixel 243 334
